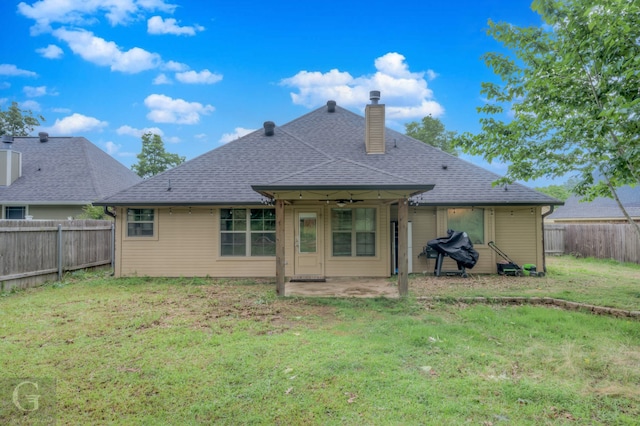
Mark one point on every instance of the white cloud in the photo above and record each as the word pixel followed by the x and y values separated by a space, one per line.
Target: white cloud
pixel 202 77
pixel 12 70
pixel 162 79
pixel 174 66
pixel 30 105
pixel 62 110
pixel 106 53
pixel 168 110
pixel 112 148
pixel 157 25
pixel 405 93
pixel 132 131
pixel 75 124
pixel 238 133
pixel 50 52
pixel 173 139
pixel 83 12
pixel 34 92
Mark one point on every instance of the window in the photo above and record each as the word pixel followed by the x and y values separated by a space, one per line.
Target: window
pixel 353 232
pixel 140 222
pixel 239 226
pixel 470 221
pixel 15 212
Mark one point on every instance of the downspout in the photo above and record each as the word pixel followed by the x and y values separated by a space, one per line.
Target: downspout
pixel 113 239
pixel 109 212
pixel 544 254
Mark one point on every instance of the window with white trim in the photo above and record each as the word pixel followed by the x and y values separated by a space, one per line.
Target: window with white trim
pixel 15 212
pixel 140 222
pixel 247 232
pixel 353 232
pixel 470 221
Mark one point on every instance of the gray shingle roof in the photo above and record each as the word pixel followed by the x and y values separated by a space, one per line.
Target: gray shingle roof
pixel 601 208
pixel 65 170
pixel 322 148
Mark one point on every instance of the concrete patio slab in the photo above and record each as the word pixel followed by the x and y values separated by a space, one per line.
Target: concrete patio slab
pixel 345 287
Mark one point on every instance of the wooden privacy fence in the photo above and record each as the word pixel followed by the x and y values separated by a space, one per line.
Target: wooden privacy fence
pixel 617 241
pixel 35 251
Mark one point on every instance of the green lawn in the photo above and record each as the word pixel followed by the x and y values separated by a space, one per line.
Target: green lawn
pixel 201 351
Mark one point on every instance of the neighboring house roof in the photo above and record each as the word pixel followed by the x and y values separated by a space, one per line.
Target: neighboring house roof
pixel 65 170
pixel 324 149
pixel 600 208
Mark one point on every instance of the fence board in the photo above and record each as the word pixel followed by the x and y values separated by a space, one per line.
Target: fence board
pixel 29 249
pixel 600 240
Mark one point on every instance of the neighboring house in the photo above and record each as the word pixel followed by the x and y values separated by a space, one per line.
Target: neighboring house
pixel 320 196
pixel 600 209
pixel 55 177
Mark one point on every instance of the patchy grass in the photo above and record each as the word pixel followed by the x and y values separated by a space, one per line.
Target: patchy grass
pixel 592 281
pixel 204 351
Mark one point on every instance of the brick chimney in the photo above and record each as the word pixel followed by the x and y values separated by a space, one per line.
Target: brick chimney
pixel 374 124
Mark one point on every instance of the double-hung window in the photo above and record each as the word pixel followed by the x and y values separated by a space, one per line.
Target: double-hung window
pixel 140 222
pixel 247 232
pixel 353 232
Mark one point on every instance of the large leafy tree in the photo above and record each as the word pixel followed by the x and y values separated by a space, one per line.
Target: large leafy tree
pixel 18 122
pixel 153 158
pixel 432 131
pixel 569 97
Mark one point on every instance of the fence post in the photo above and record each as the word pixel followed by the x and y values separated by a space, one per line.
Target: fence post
pixel 59 252
pixel 113 248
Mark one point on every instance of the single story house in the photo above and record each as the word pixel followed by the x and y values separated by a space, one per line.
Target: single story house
pixel 329 194
pixel 600 210
pixel 55 177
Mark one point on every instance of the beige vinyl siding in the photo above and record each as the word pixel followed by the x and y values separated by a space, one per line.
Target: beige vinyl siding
pixel 375 266
pixel 54 212
pixel 423 220
pixel 519 234
pixel 186 245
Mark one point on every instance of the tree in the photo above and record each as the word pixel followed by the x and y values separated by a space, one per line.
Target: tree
pixel 153 159
pixel 432 132
pixel 17 122
pixel 90 211
pixel 572 88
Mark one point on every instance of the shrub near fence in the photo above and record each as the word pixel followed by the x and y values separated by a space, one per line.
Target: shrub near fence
pixel 617 241
pixel 35 251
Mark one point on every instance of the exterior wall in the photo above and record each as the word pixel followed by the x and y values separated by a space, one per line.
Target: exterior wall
pixel 376 266
pixel 184 244
pixel 519 235
pixel 189 244
pixel 54 212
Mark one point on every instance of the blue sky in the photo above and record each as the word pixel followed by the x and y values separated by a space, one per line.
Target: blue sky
pixel 203 73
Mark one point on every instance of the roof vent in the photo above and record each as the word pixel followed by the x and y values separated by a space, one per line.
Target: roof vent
pixel 331 106
pixel 7 139
pixel 374 96
pixel 269 128
pixel 44 136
